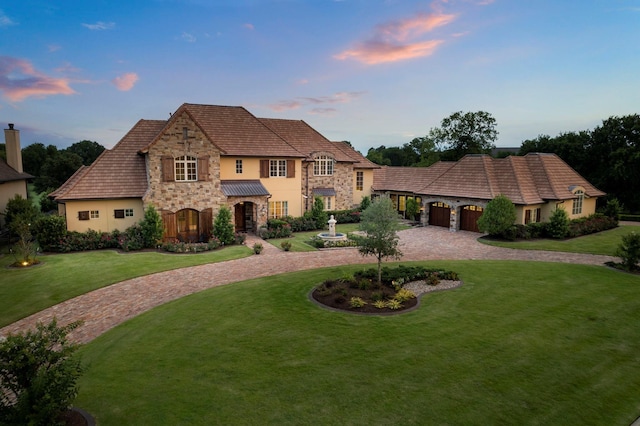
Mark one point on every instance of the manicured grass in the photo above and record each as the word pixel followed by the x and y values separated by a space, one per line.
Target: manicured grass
pixel 63 276
pixel 604 242
pixel 518 343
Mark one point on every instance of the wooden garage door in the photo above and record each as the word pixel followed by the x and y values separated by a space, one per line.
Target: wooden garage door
pixel 439 214
pixel 469 218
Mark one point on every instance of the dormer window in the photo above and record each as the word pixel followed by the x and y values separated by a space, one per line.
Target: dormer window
pixel 186 169
pixel 323 166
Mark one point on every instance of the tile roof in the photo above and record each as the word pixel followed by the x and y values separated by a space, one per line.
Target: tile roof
pixel 531 179
pixel 305 138
pixel 408 179
pixel 243 188
pixel 235 131
pixel 9 174
pixel 362 161
pixel 117 173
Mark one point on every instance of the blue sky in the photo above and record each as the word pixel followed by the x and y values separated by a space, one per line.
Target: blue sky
pixel 373 72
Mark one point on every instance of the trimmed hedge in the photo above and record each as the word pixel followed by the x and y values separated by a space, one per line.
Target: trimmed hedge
pixel 596 222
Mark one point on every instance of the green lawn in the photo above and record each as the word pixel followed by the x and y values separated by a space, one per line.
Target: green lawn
pixel 518 343
pixel 604 242
pixel 64 276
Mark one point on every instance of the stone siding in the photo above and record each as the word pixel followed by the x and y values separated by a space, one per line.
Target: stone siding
pixel 341 181
pixel 174 196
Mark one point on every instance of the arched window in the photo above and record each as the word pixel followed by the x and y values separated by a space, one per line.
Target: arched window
pixel 323 166
pixel 186 168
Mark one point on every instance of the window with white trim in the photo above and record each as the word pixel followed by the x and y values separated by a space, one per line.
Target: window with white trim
pixel 323 166
pixel 278 209
pixel 95 214
pixel 328 203
pixel 277 168
pixel 577 203
pixel 186 169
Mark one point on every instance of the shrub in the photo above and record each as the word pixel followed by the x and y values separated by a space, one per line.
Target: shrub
pixel 132 238
pixel 38 374
pixel 240 238
pixel 403 295
pixel 318 214
pixel 257 248
pixel 394 304
pixel 380 304
pixel 364 203
pixel 19 208
pixel 49 230
pixel 629 251
pixel 223 229
pixel 613 209
pixel 591 224
pixel 537 229
pixel 498 216
pixel 357 302
pixel 412 209
pixel 151 228
pixel 345 216
pixel 286 245
pixel 275 228
pixel 182 247
pixel 558 226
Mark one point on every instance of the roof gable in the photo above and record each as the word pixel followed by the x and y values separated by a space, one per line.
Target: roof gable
pixel 9 174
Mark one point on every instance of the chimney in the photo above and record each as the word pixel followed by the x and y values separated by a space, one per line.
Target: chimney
pixel 14 153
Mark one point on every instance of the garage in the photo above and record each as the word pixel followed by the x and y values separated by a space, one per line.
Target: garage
pixel 469 216
pixel 439 214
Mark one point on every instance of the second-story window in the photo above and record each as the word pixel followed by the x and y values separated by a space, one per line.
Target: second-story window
pixel 323 166
pixel 278 168
pixel 238 167
pixel 186 169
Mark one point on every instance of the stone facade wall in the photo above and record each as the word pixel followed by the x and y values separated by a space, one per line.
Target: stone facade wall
pixel 341 181
pixel 174 196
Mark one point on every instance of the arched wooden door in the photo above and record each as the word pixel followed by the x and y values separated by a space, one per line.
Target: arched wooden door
pixel 187 225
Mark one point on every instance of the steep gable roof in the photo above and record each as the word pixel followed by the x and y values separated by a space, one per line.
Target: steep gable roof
pixel 9 174
pixel 305 138
pixel 117 173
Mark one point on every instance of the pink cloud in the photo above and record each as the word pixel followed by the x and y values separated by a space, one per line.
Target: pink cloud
pixel 125 82
pixel 399 40
pixel 20 80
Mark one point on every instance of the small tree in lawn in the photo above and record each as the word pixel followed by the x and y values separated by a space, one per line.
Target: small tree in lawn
pixel 380 224
pixel 498 216
pixel 38 374
pixel 629 251
pixel 152 228
pixel 223 227
pixel 318 213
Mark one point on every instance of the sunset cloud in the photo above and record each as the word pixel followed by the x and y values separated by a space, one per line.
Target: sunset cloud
pixel 336 98
pixel 125 82
pixel 20 80
pixel 100 26
pixel 188 37
pixel 399 40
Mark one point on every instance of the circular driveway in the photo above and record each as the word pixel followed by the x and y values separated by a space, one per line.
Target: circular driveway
pixel 107 307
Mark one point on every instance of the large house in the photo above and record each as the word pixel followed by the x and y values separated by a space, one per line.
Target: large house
pixel 13 180
pixel 454 194
pixel 205 156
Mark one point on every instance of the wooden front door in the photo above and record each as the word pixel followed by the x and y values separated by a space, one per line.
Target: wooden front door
pixel 439 214
pixel 241 225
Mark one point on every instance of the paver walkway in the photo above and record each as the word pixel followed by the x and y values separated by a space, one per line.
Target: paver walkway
pixel 107 307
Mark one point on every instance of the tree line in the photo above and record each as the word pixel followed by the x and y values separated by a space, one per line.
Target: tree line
pixel 607 156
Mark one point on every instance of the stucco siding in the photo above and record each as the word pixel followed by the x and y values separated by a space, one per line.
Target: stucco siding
pixel 104 220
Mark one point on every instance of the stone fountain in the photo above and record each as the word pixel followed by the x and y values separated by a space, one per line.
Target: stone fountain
pixel 332 235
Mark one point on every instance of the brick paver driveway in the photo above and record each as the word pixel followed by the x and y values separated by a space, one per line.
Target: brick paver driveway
pixel 107 307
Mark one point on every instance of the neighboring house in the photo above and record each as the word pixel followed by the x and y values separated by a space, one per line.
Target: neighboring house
pixel 207 156
pixel 13 180
pixel 454 194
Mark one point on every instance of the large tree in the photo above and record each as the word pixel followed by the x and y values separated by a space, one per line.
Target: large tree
pixel 34 156
pixel 465 133
pixel 87 150
pixel 56 170
pixel 379 224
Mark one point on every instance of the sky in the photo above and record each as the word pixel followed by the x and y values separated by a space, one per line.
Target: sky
pixel 371 72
